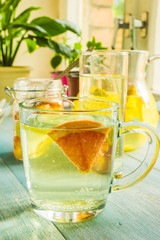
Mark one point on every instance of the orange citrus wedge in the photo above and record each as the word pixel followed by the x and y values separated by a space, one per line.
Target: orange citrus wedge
pixel 17 147
pixel 49 106
pixel 81 141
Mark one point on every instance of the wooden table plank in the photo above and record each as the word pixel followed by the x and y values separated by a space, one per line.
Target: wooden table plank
pixel 17 219
pixel 15 166
pixel 6 134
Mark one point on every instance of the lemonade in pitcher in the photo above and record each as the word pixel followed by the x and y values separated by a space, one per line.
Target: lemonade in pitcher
pixel 140 103
pixel 140 106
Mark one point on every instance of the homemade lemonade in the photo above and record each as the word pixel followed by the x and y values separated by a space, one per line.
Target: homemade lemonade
pixel 68 160
pixel 140 106
pixel 109 87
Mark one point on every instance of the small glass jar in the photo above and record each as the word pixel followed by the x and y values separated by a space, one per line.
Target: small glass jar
pixel 24 89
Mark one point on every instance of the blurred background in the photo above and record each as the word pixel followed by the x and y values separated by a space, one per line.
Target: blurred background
pixel 104 19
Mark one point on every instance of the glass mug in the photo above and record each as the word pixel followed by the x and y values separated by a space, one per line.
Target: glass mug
pixel 29 88
pixel 103 74
pixel 69 155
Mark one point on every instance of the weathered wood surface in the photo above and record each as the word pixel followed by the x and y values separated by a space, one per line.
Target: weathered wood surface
pixel 129 214
pixel 17 219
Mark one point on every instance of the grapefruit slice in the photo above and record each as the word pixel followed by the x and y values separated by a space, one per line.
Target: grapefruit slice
pixel 81 141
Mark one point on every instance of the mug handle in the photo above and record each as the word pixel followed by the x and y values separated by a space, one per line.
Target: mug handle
pixel 153 58
pixel 146 166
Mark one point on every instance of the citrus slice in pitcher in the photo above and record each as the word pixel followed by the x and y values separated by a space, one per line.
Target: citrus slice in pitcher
pixel 104 94
pixel 81 141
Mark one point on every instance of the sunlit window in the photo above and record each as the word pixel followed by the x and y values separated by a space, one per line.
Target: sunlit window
pixel 98 21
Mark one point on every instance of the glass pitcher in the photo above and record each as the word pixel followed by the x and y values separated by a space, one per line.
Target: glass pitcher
pixel 140 103
pixel 31 88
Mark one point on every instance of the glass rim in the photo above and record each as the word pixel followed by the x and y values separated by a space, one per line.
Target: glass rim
pixel 38 90
pixel 37 80
pixel 114 52
pixel 115 106
pixel 134 51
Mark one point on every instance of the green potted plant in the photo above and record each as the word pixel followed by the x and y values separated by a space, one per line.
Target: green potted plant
pixel 39 32
pixel 73 76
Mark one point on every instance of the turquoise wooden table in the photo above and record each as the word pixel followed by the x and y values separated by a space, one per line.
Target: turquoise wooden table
pixel 129 214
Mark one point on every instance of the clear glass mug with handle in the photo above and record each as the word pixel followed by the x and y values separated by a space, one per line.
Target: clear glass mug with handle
pixel 69 154
pixel 103 74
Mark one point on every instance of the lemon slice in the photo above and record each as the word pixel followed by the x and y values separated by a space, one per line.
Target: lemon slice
pixel 37 140
pixel 101 93
pixel 41 147
pixel 35 129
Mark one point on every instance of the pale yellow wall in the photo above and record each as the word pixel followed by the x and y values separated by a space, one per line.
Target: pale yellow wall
pixel 38 60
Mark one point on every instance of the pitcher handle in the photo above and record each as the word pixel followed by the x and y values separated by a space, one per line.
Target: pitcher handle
pixel 145 167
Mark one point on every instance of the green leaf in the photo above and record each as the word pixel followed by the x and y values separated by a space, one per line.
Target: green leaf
pixel 23 17
pixel 60 48
pixel 30 27
pixel 40 41
pixel 75 54
pixel 31 45
pixel 18 33
pixel 78 46
pixel 7 11
pixel 51 26
pixel 55 61
pixel 93 40
pixel 89 44
pixel 5 19
pixel 70 26
pixel 9 4
pixel 54 46
pixel 98 45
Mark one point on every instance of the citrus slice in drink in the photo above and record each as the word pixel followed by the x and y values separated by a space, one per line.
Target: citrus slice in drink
pixel 17 147
pixel 47 105
pixel 41 147
pixel 96 91
pixel 38 140
pixel 81 141
pixel 102 163
pixel 101 93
